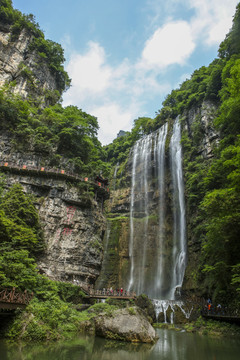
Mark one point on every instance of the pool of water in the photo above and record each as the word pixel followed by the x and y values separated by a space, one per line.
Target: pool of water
pixel 171 345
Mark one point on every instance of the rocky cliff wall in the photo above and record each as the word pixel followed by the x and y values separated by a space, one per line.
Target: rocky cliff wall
pixel 72 221
pixel 203 117
pixel 25 70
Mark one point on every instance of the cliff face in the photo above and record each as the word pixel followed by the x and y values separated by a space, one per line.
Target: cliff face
pixel 203 117
pixel 72 220
pixel 73 226
pixel 28 73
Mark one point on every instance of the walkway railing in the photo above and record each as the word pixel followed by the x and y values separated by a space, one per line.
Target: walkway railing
pixel 111 293
pixel 220 312
pixel 13 296
pixel 42 171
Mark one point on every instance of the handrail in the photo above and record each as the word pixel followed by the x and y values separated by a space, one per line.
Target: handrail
pixel 114 293
pixel 220 312
pixel 52 171
pixel 14 296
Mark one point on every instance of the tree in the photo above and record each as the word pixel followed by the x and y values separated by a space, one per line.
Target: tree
pixel 221 209
pixel 19 222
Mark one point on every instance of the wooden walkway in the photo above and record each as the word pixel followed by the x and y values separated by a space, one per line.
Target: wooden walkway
pixel 235 319
pixel 13 299
pixel 99 187
pixel 107 294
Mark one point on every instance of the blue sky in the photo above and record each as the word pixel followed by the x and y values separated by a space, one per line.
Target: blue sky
pixel 125 56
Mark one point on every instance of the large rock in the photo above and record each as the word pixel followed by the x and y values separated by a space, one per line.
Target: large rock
pixel 129 324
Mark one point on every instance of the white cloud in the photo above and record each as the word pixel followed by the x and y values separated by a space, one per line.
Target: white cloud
pixel 212 19
pixel 89 73
pixel 170 44
pixel 111 119
pixel 115 95
pixel 210 22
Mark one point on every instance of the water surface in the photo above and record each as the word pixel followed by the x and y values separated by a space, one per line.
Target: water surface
pixel 171 345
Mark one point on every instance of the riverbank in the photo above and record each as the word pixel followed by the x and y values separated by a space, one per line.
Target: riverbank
pixel 204 327
pixel 55 320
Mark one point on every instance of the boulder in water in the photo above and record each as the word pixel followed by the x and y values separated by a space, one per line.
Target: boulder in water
pixel 128 324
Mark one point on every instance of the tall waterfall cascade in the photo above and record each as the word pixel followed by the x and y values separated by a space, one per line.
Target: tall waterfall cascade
pixel 157 240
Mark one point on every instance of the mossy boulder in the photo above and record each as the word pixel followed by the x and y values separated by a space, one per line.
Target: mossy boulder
pixel 129 325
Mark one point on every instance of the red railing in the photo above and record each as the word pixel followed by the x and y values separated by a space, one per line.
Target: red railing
pixel 112 293
pixel 51 171
pixel 13 296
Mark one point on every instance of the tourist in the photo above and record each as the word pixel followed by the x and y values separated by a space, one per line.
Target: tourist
pixel 121 291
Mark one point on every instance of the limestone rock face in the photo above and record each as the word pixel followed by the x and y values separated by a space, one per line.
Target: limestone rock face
pixel 74 233
pixel 129 324
pixel 204 114
pixel 30 73
pixel 73 226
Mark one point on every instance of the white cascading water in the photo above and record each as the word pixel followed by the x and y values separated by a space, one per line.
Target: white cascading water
pixel 135 156
pixel 157 268
pixel 162 306
pixel 115 176
pixel 159 155
pixel 144 181
pixel 179 228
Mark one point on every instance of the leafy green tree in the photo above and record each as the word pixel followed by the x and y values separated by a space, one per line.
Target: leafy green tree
pixel 20 239
pixel 17 269
pixel 19 222
pixel 221 207
pixel 231 44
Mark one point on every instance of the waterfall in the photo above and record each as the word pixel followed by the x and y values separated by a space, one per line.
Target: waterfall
pixel 115 176
pixel 157 259
pixel 131 242
pixel 139 210
pixel 168 307
pixel 179 228
pixel 160 162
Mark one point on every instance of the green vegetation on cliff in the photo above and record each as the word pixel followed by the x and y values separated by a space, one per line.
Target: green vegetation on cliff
pixel 53 132
pixel 51 52
pixel 20 240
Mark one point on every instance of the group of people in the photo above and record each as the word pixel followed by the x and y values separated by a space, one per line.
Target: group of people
pixel 211 309
pixel 117 292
